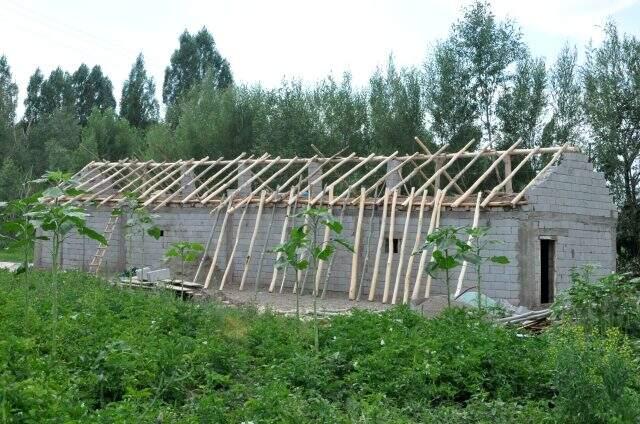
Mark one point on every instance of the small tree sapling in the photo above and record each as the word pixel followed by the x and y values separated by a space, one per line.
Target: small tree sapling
pixel 186 251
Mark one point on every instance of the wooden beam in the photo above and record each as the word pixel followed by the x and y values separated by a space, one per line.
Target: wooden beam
pixel 507 171
pixel 247 259
pixel 508 178
pixel 427 289
pixel 423 255
pixel 416 246
pixel 264 184
pixel 326 174
pixel 340 179
pixel 356 248
pixel 206 248
pixel 232 255
pixel 392 219
pixel 240 173
pixel 376 263
pixel 456 177
pixel 479 181
pixel 422 165
pixel 173 183
pixel 207 281
pixel 363 179
pixel 532 182
pixel 118 181
pixel 405 233
pixel 442 169
pixel 294 176
pixel 193 180
pixel 463 269
pixel 266 242
pixel 213 177
pixel 446 174
pixel 283 237
pixel 325 241
pixel 384 177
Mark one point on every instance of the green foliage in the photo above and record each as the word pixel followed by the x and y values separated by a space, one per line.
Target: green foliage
pixel 18 229
pixel 92 90
pixel 112 136
pixel 143 355
pixel 138 104
pixel 596 377
pixel 185 251
pixel 611 302
pixel 196 58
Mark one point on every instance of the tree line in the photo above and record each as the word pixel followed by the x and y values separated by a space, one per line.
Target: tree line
pixel 481 82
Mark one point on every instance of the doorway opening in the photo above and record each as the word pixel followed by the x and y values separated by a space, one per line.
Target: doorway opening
pixel 547 270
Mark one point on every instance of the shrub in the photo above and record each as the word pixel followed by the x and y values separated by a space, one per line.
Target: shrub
pixel 612 301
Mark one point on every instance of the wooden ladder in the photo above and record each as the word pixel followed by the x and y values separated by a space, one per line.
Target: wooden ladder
pixel 96 261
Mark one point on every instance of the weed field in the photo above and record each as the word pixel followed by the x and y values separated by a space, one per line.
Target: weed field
pixel 115 355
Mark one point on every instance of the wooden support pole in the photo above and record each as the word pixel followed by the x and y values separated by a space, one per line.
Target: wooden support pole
pixel 341 178
pixel 364 178
pixel 416 246
pixel 240 173
pixel 330 265
pixel 383 179
pixel 265 184
pixel 163 179
pixel 456 177
pixel 439 171
pixel 326 174
pixel 293 225
pixel 116 182
pixel 422 165
pixel 479 181
pixel 507 171
pixel 405 233
pixel 446 174
pixel 356 248
pixel 392 219
pixel 376 263
pixel 423 255
pixel 463 269
pixel 283 237
pixel 367 249
pixel 532 182
pixel 247 259
pixel 427 289
pixel 325 241
pixel 204 185
pixel 266 242
pixel 212 268
pixel 174 183
pixel 229 267
pixel 297 174
pixel 206 249
pixel 193 180
pixel 508 178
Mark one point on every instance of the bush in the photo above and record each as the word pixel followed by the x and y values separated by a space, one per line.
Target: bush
pixel 596 378
pixel 612 301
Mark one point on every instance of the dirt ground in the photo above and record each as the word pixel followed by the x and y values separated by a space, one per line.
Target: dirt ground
pixel 333 303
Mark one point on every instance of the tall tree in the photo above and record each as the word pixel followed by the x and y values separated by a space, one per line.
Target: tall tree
pixel 488 49
pixel 33 101
pixel 566 98
pixel 612 108
pixel 138 104
pixel 56 92
pixel 196 57
pixel 8 102
pixel 449 98
pixel 397 109
pixel 112 136
pixel 92 89
pixel 521 105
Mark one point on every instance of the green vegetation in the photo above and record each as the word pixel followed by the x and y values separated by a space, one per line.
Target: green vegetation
pixel 123 354
pixel 13 254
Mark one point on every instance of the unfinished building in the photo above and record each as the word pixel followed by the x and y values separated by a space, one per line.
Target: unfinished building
pixel 547 207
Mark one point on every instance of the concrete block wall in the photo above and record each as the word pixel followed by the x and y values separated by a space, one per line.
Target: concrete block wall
pixel 569 204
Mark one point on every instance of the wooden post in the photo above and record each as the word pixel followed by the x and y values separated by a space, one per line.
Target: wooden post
pixel 235 247
pixel 507 171
pixel 217 251
pixel 416 246
pixel 325 242
pixel 463 270
pixel 423 255
pixel 266 241
pixel 407 221
pixel 330 265
pixel 283 237
pixel 356 248
pixel 427 289
pixel 508 177
pixel 206 249
pixel 376 263
pixel 247 259
pixel 368 249
pixel 387 277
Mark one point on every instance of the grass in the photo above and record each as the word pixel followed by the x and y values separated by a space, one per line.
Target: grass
pixel 8 254
pixel 126 356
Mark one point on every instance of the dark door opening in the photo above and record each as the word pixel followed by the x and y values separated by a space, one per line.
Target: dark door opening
pixel 547 270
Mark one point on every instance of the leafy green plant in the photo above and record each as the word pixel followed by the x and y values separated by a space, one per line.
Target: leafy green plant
pixel 612 301
pixel 17 227
pixel 303 250
pixel 479 245
pixel 138 222
pixel 186 252
pixel 596 376
pixel 58 220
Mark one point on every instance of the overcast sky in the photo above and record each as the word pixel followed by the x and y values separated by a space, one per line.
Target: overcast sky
pixel 266 41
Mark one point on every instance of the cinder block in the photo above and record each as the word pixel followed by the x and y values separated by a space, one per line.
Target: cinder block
pixel 159 274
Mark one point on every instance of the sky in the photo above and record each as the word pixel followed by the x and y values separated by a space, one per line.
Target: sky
pixel 268 41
